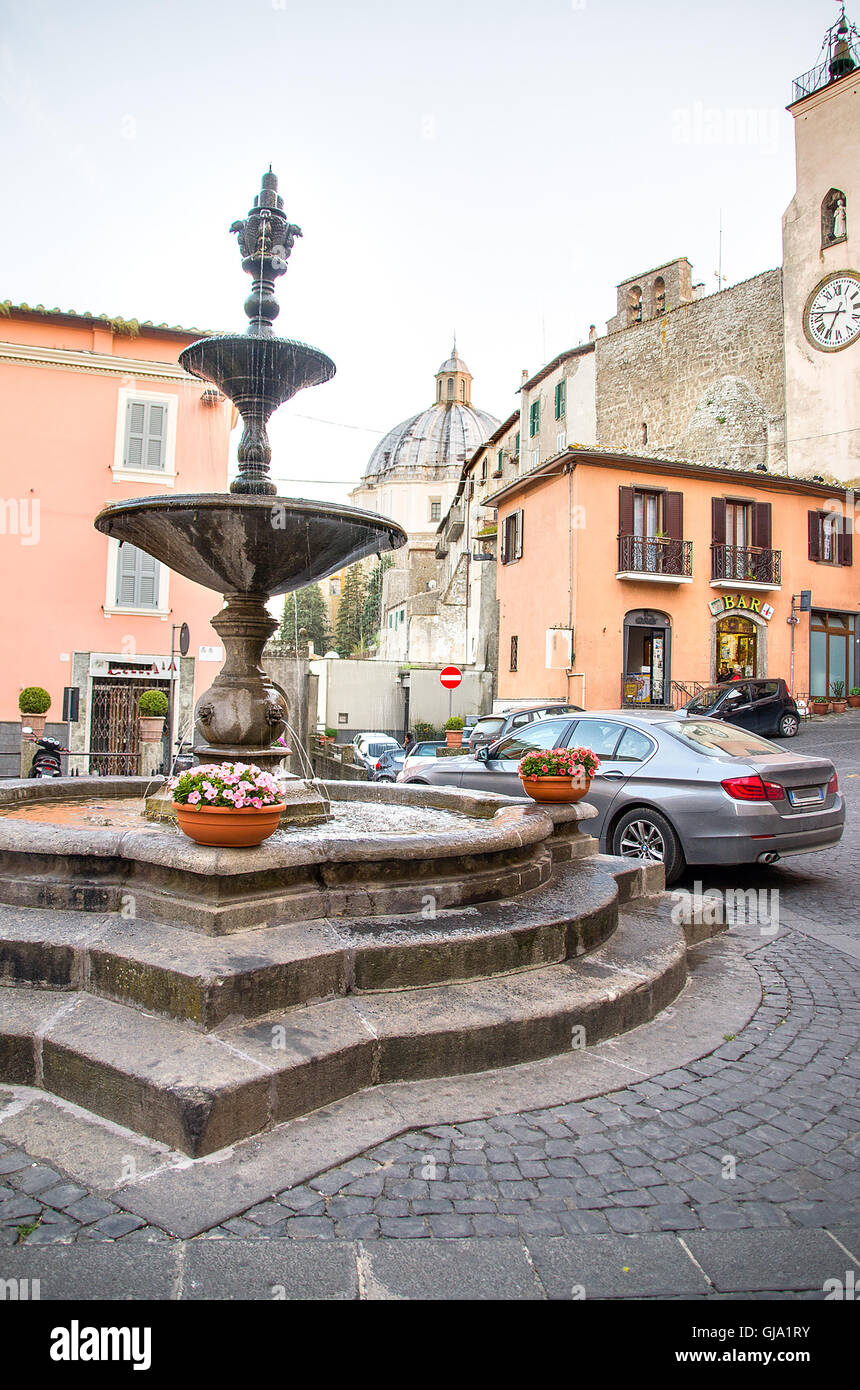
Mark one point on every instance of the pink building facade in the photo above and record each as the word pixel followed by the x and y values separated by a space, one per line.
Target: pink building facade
pixel 95 411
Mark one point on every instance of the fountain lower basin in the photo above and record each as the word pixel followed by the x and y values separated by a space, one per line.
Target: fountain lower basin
pixel 454 848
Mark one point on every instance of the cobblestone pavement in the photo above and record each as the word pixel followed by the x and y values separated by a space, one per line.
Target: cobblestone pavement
pixel 764 1132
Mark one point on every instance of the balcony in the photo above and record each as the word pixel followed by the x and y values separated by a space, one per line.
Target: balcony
pixel 454 522
pixel 745 567
pixel 655 558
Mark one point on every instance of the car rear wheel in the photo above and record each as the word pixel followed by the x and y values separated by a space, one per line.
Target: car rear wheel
pixel 789 725
pixel 644 834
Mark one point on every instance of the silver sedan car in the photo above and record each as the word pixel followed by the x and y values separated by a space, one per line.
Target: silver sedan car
pixel 673 788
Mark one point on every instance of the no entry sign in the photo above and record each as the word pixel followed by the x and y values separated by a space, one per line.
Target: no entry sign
pixel 450 677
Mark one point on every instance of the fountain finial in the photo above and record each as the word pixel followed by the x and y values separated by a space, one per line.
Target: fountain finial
pixel 266 238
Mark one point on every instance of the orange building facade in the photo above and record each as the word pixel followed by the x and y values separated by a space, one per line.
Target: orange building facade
pixel 94 411
pixel 627 581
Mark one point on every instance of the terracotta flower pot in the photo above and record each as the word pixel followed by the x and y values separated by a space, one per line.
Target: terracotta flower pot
pixel 224 828
pixel 36 722
pixel 151 729
pixel 454 738
pixel 820 706
pixel 838 706
pixel 548 789
pixel 854 701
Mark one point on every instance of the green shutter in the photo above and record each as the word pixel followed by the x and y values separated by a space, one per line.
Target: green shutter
pixel 560 395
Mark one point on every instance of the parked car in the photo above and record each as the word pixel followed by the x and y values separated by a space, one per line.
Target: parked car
pixel 388 764
pixel 763 705
pixel 491 727
pixel 370 747
pixel 673 787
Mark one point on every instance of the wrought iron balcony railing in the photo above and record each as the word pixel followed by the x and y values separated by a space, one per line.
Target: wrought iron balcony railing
pixel 655 555
pixel 743 564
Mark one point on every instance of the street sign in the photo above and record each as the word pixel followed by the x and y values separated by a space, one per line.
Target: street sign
pixel 450 677
pixel 184 639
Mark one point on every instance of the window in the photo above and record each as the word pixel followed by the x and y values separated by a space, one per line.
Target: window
pixel 534 458
pixel 145 436
pixel 137 578
pixel 659 295
pixel 644 433
pixel 830 539
pixel 560 398
pixel 634 304
pixel 484 469
pixel 515 642
pixel 512 538
pixel 534 418
pixel 561 441
pixel 602 736
pixel 500 459
pixel 546 734
pixel 435 508
pixel 634 747
pixel 450 388
pixel 462 390
pixel 334 586
pixel 517 445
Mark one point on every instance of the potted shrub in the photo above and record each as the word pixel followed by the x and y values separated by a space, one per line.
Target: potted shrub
pixel 854 697
pixel 34 703
pixel 558 774
pixel 454 731
pixel 423 731
pixel 229 805
pixel 838 702
pixel 819 704
pixel 152 708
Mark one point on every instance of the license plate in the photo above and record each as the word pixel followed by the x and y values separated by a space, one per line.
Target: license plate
pixel 805 796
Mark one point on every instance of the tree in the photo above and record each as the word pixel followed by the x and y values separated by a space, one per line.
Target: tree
pixel 349 631
pixel 372 619
pixel 306 609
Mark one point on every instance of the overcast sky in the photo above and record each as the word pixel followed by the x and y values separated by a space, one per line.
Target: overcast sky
pixel 490 167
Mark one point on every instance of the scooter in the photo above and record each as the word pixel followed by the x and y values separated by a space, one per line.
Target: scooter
pixel 46 759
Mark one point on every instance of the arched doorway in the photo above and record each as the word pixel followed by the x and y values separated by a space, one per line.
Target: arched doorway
pixel 647 657
pixel 736 646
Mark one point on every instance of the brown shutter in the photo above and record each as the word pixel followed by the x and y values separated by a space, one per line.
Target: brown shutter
pixel 761 527
pixel 625 511
pixel 673 515
pixel 846 544
pixel 518 543
pixel 718 520
pixel 814 529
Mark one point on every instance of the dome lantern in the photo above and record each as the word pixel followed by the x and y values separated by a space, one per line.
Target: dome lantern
pixel 454 381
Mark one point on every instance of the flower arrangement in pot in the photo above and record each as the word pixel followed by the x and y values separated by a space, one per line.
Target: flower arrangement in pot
pixel 33 704
pixel 454 731
pixel 152 708
pixel 838 702
pixel 558 774
pixel 230 805
pixel 819 704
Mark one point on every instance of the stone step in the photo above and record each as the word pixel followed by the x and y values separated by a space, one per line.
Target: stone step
pixel 198 1092
pixel 207 980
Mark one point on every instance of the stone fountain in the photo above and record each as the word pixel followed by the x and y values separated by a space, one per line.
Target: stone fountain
pixel 252 544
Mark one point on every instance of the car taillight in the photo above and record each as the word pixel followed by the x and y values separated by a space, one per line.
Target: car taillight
pixel 379 765
pixel 753 789
pixel 833 785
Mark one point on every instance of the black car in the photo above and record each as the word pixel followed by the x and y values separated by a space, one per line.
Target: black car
pixel 491 727
pixel 764 706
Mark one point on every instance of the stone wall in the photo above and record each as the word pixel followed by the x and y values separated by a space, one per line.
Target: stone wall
pixel 707 380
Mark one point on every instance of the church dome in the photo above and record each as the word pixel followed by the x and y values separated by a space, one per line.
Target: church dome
pixel 442 436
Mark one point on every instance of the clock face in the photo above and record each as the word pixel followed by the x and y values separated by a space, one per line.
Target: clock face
pixel 831 320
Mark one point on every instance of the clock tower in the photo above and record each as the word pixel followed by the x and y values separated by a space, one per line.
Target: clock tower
pixel 821 265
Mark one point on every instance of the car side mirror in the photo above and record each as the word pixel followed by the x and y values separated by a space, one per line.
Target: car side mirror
pixel 483 753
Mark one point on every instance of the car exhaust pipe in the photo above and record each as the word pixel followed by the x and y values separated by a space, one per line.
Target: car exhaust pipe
pixel 769 857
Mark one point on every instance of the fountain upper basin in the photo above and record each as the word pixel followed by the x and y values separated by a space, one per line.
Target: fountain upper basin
pixel 249 545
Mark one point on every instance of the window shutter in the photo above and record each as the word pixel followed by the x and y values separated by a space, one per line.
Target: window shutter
pixel 846 545
pixel 126 576
pixel 135 433
pixel 625 511
pixel 503 542
pixel 718 520
pixel 761 525
pixel 154 457
pixel 673 515
pixel 518 535
pixel 147 591
pixel 814 531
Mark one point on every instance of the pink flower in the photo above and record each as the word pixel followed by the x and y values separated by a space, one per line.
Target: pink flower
pixel 194 797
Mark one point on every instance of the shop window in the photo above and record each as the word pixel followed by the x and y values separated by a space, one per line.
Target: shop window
pixel 831 647
pixel 514 653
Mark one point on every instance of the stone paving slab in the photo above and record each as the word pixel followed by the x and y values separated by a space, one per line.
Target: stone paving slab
pixel 742 1261
pixel 448 1270
pixel 654 1266
pixel 279 1269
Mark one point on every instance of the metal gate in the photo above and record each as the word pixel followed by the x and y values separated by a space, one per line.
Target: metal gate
pixel 114 727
